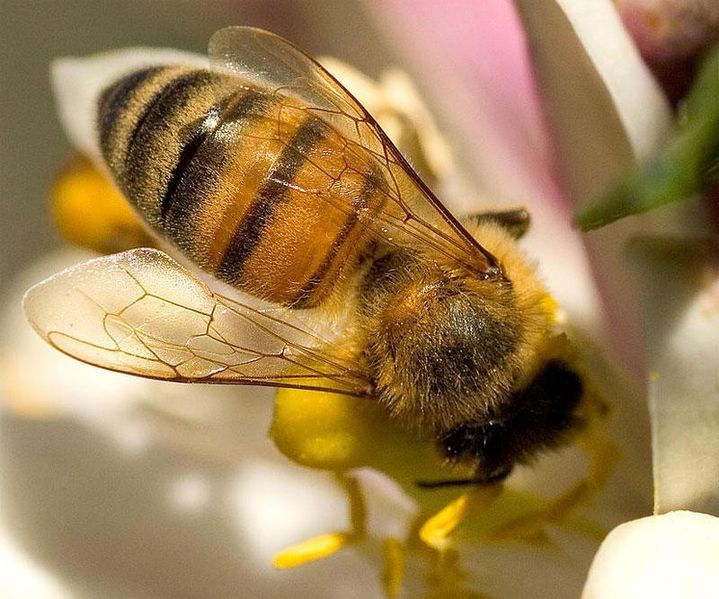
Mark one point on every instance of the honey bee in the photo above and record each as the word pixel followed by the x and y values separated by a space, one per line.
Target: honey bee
pixel 334 267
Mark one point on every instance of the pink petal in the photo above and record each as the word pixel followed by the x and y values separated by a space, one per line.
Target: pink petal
pixel 476 70
pixel 475 67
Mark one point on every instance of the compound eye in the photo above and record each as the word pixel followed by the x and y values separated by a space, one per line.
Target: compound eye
pixel 483 444
pixel 462 443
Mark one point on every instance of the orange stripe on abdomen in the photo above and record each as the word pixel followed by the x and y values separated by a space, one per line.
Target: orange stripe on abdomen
pixel 348 243
pixel 304 228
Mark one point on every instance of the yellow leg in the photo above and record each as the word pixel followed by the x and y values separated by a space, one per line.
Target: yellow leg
pixel 321 546
pixel 602 454
pixel 327 544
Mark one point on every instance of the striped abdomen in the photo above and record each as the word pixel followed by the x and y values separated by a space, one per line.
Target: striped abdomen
pixel 263 195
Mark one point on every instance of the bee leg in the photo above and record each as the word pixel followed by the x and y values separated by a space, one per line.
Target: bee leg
pixel 515 221
pixel 436 530
pixel 321 546
pixel 602 453
pixel 326 544
pixel 445 575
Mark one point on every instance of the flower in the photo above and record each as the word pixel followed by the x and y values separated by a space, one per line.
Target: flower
pixel 611 115
pixel 672 555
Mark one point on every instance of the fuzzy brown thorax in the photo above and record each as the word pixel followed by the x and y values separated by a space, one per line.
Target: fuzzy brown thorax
pixel 445 346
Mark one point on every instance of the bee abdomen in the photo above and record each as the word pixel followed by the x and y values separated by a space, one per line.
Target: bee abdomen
pixel 147 119
pixel 258 192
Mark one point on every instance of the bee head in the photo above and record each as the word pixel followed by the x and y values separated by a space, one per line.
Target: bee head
pixel 540 416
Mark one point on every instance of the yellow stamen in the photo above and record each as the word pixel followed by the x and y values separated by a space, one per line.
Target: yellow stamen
pixel 358 509
pixel 393 572
pixel 436 530
pixel 311 550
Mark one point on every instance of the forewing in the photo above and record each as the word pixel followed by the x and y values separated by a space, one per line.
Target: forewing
pixel 411 214
pixel 141 313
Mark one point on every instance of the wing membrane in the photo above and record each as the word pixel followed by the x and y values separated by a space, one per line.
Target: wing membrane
pixel 412 215
pixel 142 313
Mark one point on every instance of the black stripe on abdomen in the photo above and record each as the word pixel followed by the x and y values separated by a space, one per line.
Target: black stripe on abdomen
pixel 269 198
pixel 359 205
pixel 113 104
pixel 204 128
pixel 146 141
pixel 155 113
pixel 238 107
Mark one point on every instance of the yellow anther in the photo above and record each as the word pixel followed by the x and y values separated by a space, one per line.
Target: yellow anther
pixel 89 210
pixel 436 530
pixel 312 549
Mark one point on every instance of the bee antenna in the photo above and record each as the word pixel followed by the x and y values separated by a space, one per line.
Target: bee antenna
pixel 484 479
pixel 441 484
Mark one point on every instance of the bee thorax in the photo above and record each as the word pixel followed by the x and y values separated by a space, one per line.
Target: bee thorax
pixel 442 344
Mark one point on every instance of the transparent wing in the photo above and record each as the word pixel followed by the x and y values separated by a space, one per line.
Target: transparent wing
pixel 412 214
pixel 141 313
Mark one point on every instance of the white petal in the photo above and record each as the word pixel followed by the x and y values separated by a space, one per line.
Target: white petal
pixel 606 112
pixel 142 483
pixel 605 107
pixel 24 577
pixel 679 281
pixel 669 556
pixel 78 83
